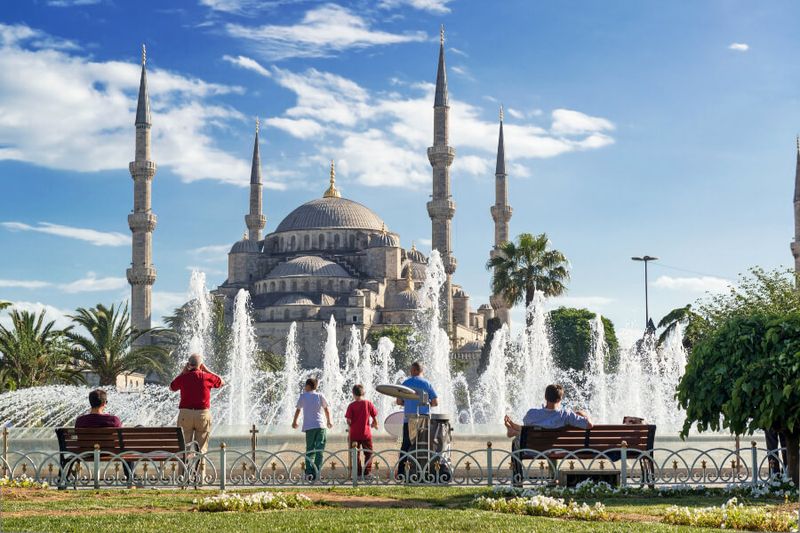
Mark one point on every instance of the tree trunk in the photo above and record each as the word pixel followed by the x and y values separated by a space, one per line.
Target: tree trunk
pixel 793 456
pixel 107 380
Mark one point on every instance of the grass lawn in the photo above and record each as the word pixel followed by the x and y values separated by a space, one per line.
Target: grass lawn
pixel 339 509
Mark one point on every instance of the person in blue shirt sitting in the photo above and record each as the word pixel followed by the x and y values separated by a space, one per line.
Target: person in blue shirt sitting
pixel 413 407
pixel 550 416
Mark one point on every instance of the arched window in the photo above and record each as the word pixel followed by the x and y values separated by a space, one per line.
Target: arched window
pixel 272 314
pixel 271 286
pixel 321 241
pixel 352 241
pixel 283 243
pixel 306 286
pixel 294 285
pixel 336 241
pixel 330 284
pixel 283 285
pixel 293 243
pixel 286 314
pixel 306 242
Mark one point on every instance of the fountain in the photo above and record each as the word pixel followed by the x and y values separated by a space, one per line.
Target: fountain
pixel 332 381
pixel 240 362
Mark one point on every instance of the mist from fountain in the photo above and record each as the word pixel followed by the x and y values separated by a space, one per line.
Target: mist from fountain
pixel 196 325
pixel 384 373
pixel 332 380
pixel 240 362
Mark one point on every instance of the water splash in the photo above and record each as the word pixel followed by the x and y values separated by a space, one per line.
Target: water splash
pixel 240 361
pixel 332 380
pixel 196 328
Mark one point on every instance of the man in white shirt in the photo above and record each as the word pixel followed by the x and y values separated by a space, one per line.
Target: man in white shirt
pixel 550 416
pixel 313 405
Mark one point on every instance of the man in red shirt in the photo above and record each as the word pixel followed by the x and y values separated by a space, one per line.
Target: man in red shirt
pixel 194 415
pixel 96 417
pixel 358 416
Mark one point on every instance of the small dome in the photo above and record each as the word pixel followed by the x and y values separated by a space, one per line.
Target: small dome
pixel 404 300
pixel 293 299
pixel 415 255
pixel 245 246
pixel 384 240
pixel 325 299
pixel 459 293
pixel 471 347
pixel 357 292
pixel 485 307
pixel 418 272
pixel 331 212
pixel 308 265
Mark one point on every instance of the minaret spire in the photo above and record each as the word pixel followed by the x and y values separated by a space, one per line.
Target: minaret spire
pixel 441 208
pixel 142 222
pixel 796 244
pixel 501 214
pixel 255 219
pixel 332 192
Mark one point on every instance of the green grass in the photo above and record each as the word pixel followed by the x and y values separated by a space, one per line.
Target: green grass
pixel 407 509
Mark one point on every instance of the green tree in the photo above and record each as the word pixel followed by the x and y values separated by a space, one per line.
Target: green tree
pixel 492 326
pixel 525 266
pixel 34 352
pixel 571 334
pixel 400 336
pixel 694 324
pixel 746 371
pixel 220 333
pixel 108 348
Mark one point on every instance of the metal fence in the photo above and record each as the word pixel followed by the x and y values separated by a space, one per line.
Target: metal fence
pixel 224 468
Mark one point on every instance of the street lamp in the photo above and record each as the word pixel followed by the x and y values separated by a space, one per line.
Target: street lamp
pixel 645 259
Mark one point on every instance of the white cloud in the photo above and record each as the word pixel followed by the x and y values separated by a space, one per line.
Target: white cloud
pixel 693 284
pixel 302 128
pixel 66 111
pixel 91 283
pixel 570 122
pixel 473 164
pixel 248 64
pixel 425 242
pixel 462 71
pixel 323 31
pixel 97 238
pixel 457 51
pixel 433 6
pixel 739 47
pixel 211 253
pixel 22 284
pixel 513 113
pixel 59 316
pixel 165 302
pixel 72 3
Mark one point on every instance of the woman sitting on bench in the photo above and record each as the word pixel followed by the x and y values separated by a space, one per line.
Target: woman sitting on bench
pixel 551 416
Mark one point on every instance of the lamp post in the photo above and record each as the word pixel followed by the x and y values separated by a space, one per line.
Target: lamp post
pixel 645 260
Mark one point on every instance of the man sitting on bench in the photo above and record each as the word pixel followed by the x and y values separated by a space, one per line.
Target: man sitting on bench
pixel 551 416
pixel 96 417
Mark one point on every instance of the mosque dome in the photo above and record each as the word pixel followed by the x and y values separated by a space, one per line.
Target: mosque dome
pixel 384 239
pixel 308 265
pixel 415 255
pixel 406 299
pixel 293 299
pixel 245 246
pixel 418 270
pixel 331 212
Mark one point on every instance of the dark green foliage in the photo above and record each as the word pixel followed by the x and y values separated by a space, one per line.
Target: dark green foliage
pixel 400 336
pixel 694 324
pixel 572 338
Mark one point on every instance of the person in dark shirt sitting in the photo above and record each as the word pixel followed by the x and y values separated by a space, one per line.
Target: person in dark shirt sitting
pixel 97 417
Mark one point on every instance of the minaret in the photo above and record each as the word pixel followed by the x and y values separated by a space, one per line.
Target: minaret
pixel 441 208
pixel 796 244
pixel 255 220
pixel 142 274
pixel 501 214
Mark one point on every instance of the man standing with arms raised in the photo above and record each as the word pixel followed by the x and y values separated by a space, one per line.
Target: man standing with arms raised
pixel 412 408
pixel 194 415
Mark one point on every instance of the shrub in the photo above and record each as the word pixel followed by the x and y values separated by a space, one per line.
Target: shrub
pixel 543 506
pixel 258 501
pixel 23 482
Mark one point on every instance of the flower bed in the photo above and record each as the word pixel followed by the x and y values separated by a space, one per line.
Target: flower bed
pixel 732 515
pixel 543 506
pixel 258 501
pixel 775 487
pixel 23 482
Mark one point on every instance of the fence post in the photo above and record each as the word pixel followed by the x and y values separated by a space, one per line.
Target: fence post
pixel 754 456
pixel 253 443
pixel 623 464
pixel 5 449
pixel 96 466
pixel 223 466
pixel 489 475
pixel 354 463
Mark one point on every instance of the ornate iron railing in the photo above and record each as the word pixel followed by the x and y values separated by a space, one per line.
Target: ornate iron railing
pixel 488 466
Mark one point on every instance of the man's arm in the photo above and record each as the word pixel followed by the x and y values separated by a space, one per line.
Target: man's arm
pixel 296 415
pixel 399 401
pixel 328 417
pixel 205 369
pixel 581 419
pixel 435 402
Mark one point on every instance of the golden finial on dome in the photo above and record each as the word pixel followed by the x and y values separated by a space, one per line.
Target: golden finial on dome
pixel 332 192
pixel 383 228
pixel 413 246
pixel 144 54
pixel 501 112
pixel 244 236
pixel 441 34
pixel 409 277
pixel 258 124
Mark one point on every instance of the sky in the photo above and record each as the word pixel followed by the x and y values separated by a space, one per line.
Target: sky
pixel 631 128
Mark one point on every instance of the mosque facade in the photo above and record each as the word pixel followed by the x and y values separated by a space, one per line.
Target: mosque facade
pixel 332 256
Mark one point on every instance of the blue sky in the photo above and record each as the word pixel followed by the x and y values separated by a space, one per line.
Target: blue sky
pixel 662 128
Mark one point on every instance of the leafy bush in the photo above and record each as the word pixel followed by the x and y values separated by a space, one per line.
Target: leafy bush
pixel 543 506
pixel 732 515
pixel 258 501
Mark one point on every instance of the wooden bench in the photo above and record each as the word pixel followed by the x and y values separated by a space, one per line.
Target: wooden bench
pixel 571 442
pixel 128 444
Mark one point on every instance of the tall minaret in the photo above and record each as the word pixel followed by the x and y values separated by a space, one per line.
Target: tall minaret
pixel 501 214
pixel 142 221
pixel 796 244
pixel 255 220
pixel 441 208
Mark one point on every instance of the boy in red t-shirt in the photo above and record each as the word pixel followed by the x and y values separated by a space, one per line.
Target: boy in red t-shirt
pixel 358 415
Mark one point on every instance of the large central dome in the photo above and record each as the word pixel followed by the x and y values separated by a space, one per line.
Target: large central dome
pixel 331 212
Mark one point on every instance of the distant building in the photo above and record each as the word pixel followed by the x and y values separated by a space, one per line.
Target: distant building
pixel 126 382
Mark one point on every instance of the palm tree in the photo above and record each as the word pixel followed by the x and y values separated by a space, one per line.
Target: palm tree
pixel 522 268
pixel 220 332
pixel 108 348
pixel 693 325
pixel 34 352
